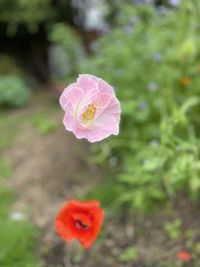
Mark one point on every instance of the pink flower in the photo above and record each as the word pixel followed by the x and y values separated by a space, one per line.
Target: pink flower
pixel 92 110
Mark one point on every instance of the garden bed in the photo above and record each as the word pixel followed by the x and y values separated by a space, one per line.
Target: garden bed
pixel 49 166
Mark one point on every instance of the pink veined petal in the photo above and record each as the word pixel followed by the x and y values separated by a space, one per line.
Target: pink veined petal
pixel 87 84
pixel 108 105
pixel 103 86
pixel 101 103
pixel 99 130
pixel 69 109
pixel 74 95
pixel 70 122
pixel 81 132
pixel 91 91
pixel 106 123
pixel 114 107
pixel 63 97
pixel 103 128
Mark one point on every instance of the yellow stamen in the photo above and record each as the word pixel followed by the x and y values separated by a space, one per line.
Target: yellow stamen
pixel 89 113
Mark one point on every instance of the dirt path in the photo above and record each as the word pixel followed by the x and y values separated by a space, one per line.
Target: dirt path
pixel 48 170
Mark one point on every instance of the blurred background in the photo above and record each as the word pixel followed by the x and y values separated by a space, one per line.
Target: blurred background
pixel 148 177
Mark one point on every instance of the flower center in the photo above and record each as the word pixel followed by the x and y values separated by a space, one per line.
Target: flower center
pixel 80 224
pixel 89 113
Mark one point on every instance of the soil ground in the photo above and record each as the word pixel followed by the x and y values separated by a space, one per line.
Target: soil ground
pixel 50 168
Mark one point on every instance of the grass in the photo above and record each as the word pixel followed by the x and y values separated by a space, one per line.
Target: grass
pixel 130 254
pixel 5 169
pixel 17 238
pixel 9 126
pixel 43 124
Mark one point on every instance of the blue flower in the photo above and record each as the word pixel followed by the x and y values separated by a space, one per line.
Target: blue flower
pixel 161 9
pixel 149 1
pixel 157 57
pixel 174 2
pixel 143 105
pixel 128 29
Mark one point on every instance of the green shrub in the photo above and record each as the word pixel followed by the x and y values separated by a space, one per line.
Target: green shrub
pixel 28 13
pixel 70 50
pixel 8 65
pixel 153 61
pixel 13 91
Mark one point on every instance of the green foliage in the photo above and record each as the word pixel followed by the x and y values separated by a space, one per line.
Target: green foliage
pixel 153 61
pixel 173 229
pixel 29 13
pixel 197 248
pixel 16 244
pixel 70 44
pixel 13 91
pixel 6 200
pixel 8 65
pixel 5 169
pixel 129 255
pixel 106 193
pixel 190 239
pixel 17 238
pixel 44 124
pixel 7 123
pixel 64 36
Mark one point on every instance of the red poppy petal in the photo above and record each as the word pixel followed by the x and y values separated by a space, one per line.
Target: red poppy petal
pixel 184 256
pixel 80 220
pixel 64 232
pixel 84 205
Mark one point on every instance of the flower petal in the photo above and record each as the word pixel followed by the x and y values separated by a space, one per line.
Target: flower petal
pixel 114 108
pixel 72 94
pixel 69 122
pixel 77 99
pixel 98 130
pixel 105 87
pixel 101 103
pixel 103 127
pixel 87 84
pixel 69 221
pixel 83 205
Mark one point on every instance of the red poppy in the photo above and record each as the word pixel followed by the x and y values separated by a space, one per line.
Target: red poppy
pixel 184 256
pixel 80 220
